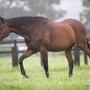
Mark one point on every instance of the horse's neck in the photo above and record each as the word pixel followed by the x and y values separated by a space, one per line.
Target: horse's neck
pixel 16 28
pixel 20 31
pixel 23 29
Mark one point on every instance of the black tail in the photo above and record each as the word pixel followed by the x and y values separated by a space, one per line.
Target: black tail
pixel 88 44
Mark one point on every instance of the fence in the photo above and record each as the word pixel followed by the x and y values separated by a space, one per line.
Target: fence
pixel 12 46
pixel 14 51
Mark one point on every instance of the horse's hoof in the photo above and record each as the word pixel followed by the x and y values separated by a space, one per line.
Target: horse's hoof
pixel 70 75
pixel 47 75
pixel 26 76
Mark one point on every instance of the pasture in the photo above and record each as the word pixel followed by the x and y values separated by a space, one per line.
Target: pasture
pixel 11 78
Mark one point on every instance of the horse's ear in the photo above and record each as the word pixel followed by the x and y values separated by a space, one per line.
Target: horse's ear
pixel 1 19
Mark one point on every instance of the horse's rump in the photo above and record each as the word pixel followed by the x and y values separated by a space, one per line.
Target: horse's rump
pixel 79 30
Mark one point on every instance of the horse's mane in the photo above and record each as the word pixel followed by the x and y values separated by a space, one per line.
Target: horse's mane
pixel 27 20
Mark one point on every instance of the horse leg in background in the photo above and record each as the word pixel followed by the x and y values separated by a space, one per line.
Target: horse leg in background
pixel 26 54
pixel 44 57
pixel 70 61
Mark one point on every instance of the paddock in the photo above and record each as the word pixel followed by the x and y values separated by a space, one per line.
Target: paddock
pixel 11 79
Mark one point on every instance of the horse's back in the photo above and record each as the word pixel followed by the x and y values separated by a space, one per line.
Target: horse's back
pixel 75 24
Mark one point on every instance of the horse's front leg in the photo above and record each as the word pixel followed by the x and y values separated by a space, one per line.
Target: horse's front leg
pixel 26 54
pixel 44 55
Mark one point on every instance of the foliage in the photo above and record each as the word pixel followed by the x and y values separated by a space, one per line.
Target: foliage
pixel 12 8
pixel 11 79
pixel 86 12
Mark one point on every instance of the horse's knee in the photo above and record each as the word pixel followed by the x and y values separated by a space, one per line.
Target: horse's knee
pixel 71 65
pixel 20 60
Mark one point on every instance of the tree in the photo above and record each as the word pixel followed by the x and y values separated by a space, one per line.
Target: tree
pixel 86 12
pixel 13 8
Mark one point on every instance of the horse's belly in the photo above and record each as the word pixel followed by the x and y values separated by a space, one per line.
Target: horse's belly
pixel 59 47
pixel 62 40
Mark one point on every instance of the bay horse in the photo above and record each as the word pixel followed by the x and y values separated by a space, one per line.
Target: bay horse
pixel 43 35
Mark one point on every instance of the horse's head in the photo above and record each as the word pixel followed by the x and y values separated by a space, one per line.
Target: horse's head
pixel 4 28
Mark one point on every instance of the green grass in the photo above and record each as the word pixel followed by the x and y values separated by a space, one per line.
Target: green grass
pixel 11 79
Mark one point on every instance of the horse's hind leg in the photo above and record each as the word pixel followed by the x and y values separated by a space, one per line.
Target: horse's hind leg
pixel 84 45
pixel 88 44
pixel 85 49
pixel 70 61
pixel 26 54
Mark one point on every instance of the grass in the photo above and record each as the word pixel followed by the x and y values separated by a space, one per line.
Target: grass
pixel 11 79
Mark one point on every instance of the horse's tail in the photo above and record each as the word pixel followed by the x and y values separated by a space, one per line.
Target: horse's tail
pixel 88 44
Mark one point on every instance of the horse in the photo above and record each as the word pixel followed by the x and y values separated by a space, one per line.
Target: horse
pixel 43 35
